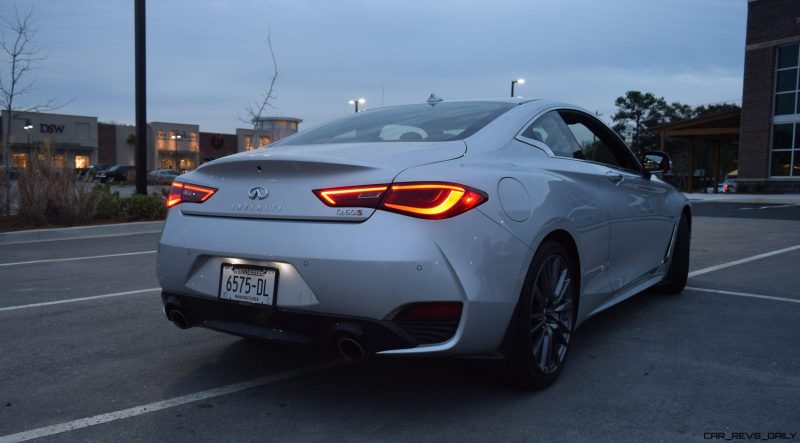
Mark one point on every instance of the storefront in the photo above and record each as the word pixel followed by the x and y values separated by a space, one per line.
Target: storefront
pixel 176 145
pixel 58 140
pixel 267 130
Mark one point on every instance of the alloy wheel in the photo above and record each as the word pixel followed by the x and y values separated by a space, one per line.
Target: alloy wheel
pixel 551 316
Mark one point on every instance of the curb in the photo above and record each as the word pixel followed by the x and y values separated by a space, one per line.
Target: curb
pixel 777 199
pixel 78 232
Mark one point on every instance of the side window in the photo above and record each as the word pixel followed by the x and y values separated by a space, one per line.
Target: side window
pixel 596 142
pixel 549 130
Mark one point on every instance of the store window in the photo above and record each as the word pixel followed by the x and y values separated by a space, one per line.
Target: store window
pixel 81 161
pixel 785 155
pixel 248 142
pixel 20 161
pixel 186 164
pixel 785 150
pixel 59 161
pixel 167 163
pixel 786 81
pixel 194 142
pixel 264 141
pixel 161 140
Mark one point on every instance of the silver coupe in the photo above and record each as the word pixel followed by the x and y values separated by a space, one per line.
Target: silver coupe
pixel 483 228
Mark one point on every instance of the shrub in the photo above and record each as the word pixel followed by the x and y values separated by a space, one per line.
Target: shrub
pixel 53 196
pixel 5 184
pixel 144 207
pixel 109 204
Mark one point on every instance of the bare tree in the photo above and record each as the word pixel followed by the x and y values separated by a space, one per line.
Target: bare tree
pixel 20 57
pixel 255 110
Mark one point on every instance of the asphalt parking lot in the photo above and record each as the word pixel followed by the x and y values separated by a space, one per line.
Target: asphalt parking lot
pixel 720 359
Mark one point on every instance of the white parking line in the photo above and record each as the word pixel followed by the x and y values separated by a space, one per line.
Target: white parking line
pixel 745 294
pixel 164 404
pixel 770 207
pixel 92 257
pixel 87 237
pixel 743 260
pixel 73 300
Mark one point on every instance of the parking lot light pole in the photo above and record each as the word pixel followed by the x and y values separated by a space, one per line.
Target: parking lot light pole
pixel 514 82
pixel 28 126
pixel 358 101
pixel 177 138
pixel 140 74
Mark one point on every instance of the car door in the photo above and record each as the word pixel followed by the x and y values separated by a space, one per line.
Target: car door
pixel 640 229
pixel 573 195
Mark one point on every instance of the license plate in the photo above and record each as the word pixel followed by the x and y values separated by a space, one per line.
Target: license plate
pixel 249 284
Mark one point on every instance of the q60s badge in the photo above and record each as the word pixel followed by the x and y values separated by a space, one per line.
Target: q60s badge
pixel 350 212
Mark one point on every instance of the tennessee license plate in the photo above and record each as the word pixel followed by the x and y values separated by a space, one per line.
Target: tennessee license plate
pixel 249 284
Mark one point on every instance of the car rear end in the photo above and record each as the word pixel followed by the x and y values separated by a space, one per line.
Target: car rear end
pixel 303 245
pixel 317 272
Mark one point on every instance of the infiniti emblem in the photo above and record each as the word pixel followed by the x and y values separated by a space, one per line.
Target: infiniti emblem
pixel 259 192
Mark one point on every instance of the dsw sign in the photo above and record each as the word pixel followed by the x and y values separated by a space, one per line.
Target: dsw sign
pixel 51 129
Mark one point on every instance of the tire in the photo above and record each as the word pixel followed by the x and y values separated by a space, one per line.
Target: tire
pixel 544 319
pixel 678 273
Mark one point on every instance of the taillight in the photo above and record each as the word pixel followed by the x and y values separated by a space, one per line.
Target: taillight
pixel 360 196
pixel 432 200
pixel 423 200
pixel 186 193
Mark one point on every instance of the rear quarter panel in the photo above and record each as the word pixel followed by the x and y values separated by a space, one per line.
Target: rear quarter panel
pixel 562 195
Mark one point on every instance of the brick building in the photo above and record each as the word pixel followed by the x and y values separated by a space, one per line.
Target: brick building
pixel 769 151
pixel 215 145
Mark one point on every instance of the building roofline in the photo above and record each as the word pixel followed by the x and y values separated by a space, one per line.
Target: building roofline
pixel 698 120
pixel 272 118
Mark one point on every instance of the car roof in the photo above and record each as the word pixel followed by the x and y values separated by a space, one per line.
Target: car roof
pixel 514 100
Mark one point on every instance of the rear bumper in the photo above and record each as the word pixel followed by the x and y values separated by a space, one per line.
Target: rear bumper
pixel 287 326
pixel 364 271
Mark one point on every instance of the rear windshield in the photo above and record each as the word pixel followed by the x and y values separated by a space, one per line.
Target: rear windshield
pixel 440 122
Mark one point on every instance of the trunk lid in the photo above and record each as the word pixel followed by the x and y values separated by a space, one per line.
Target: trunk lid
pixel 288 174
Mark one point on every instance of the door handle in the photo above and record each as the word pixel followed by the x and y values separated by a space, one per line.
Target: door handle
pixel 614 177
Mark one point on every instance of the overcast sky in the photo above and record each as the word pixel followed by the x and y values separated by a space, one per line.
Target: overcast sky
pixel 206 59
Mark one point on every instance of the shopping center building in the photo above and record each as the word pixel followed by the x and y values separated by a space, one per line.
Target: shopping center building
pixel 63 141
pixel 72 141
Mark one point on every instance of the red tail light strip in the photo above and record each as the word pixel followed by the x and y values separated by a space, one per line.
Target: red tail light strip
pixel 366 196
pixel 186 193
pixel 422 200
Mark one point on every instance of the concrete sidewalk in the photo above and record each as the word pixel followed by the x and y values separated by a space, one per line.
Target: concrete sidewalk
pixel 94 231
pixel 776 199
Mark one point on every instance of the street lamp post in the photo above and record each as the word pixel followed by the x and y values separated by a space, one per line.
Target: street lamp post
pixel 28 126
pixel 514 82
pixel 358 101
pixel 175 137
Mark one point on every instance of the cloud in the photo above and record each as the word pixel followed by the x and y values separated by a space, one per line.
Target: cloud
pixel 207 59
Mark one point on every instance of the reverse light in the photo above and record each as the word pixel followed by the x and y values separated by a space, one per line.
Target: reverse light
pixel 423 200
pixel 430 311
pixel 186 193
pixel 430 322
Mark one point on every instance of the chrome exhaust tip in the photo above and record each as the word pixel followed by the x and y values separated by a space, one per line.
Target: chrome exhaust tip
pixel 350 348
pixel 178 319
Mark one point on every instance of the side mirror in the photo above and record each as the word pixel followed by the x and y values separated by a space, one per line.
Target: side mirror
pixel 656 162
